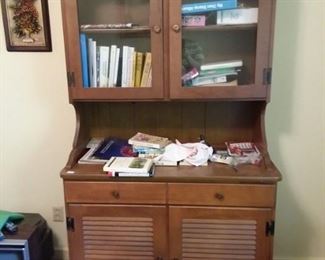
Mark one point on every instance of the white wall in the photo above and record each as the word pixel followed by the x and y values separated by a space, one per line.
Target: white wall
pixel 37 125
pixel 295 127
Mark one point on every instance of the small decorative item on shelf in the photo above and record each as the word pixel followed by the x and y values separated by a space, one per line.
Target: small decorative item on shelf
pixel 192 55
pixel 26 24
pixel 193 20
pixel 108 26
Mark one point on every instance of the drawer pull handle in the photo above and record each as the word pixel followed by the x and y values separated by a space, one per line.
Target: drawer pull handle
pixel 116 194
pixel 219 196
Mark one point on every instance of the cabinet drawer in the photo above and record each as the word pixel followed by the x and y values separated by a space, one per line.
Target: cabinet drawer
pixel 222 195
pixel 115 192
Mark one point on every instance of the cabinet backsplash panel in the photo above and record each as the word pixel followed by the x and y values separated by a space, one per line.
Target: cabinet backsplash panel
pixel 185 121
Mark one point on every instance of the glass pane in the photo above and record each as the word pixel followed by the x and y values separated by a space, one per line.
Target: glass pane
pixel 115 43
pixel 219 42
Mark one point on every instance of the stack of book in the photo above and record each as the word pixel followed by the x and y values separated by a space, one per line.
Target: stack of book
pixel 129 167
pixel 113 66
pixel 244 152
pixel 148 146
pixel 224 73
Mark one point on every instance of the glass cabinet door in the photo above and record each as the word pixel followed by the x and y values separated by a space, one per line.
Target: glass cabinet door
pixel 115 48
pixel 221 48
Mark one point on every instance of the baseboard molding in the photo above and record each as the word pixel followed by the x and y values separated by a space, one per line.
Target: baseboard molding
pixel 299 258
pixel 61 254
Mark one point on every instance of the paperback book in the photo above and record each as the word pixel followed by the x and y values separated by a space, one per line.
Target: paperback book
pixel 146 140
pixel 131 166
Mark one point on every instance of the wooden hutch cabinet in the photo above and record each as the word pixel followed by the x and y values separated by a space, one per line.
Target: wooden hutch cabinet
pixel 183 212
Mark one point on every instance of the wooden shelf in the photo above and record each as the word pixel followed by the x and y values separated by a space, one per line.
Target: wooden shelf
pixel 136 29
pixel 220 27
pixel 266 173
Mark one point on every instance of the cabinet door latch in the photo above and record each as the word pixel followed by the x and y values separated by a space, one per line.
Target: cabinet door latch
pixel 71 80
pixel 269 228
pixel 70 224
pixel 267 76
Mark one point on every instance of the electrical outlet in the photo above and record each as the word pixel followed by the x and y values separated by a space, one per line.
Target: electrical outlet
pixel 58 214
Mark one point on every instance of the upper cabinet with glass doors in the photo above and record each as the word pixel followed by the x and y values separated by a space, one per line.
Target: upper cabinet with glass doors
pixel 168 49
pixel 220 49
pixel 114 49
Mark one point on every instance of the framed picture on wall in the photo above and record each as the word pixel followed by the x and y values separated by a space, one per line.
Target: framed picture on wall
pixel 26 25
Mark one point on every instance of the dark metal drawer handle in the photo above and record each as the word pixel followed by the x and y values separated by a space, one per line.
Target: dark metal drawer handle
pixel 116 194
pixel 219 196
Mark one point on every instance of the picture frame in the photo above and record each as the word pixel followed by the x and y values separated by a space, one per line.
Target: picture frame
pixel 26 25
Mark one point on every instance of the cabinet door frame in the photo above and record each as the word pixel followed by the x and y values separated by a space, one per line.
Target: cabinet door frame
pixel 259 90
pixel 78 211
pixel 260 215
pixel 73 58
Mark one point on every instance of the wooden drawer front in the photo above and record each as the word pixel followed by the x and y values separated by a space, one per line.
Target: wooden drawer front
pixel 115 192
pixel 221 195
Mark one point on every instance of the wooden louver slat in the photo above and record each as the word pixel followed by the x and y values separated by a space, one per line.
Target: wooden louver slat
pixel 218 239
pixel 118 238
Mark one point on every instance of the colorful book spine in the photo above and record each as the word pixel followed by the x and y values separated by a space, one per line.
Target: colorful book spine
pixel 112 66
pixel 138 68
pixel 103 66
pixel 116 66
pixel 130 66
pixel 124 66
pixel 134 62
pixel 84 60
pixel 90 61
pixel 208 6
pixel 93 63
pixel 146 70
pixel 222 65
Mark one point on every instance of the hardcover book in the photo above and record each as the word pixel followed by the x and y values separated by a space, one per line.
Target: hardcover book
pixel 146 70
pixel 208 6
pixel 129 165
pixel 242 148
pixel 84 60
pixel 222 65
pixel 114 147
pixel 146 140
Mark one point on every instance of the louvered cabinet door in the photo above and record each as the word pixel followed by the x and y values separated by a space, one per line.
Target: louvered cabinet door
pixel 117 232
pixel 219 233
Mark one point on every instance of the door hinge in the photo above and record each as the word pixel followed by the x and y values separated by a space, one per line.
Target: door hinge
pixel 269 228
pixel 70 76
pixel 267 76
pixel 70 224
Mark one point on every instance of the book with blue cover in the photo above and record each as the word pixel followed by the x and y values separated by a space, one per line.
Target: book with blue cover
pixel 84 60
pixel 114 147
pixel 208 6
